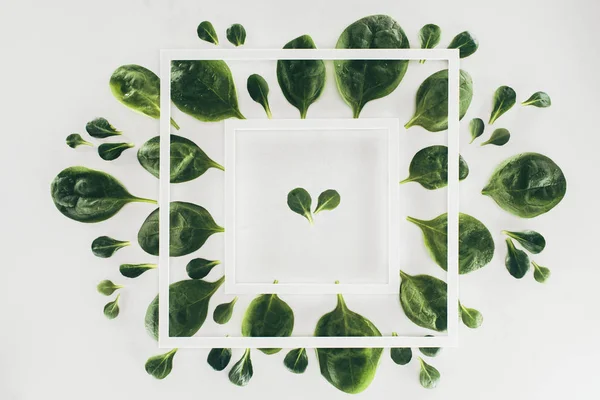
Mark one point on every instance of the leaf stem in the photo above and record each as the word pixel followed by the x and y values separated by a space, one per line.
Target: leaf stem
pixel 174 124
pixel 142 200
pixel 411 122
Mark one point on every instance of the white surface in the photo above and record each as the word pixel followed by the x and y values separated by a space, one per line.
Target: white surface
pixel 58 344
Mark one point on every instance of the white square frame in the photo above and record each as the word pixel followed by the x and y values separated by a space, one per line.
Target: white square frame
pixel 450 339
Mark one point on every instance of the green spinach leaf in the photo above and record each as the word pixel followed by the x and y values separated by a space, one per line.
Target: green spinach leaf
pixel 538 99
pixel 500 137
pixel 258 89
pixel 190 226
pixel 423 299
pixel 517 261
pixel 236 34
pixel 223 312
pixel 360 81
pixel 470 316
pixel 540 274
pixel 296 361
pixel 242 371
pixel 400 355
pixel 328 200
pixel 428 376
pixel 429 37
pixel 430 351
pixel 532 241
pixel 301 81
pixel 504 98
pixel 107 288
pixel 207 32
pixel 204 89
pixel 100 128
pixel 299 201
pixel 219 359
pixel 112 151
pixel 476 246
pixel 111 310
pixel 432 101
pixel 527 185
pixel 188 161
pixel 135 270
pixel 429 167
pixel 466 44
pixel 198 268
pixel 476 127
pixel 160 366
pixel 75 140
pixel 105 247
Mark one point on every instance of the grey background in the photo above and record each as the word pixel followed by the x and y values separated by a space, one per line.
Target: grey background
pixel 537 341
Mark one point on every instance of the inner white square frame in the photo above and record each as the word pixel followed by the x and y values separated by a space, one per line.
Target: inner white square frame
pixel 450 339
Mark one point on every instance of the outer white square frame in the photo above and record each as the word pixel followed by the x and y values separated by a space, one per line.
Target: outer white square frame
pixel 451 337
pixel 392 127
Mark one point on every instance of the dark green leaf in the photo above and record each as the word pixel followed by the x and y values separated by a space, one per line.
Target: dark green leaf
pixel 160 366
pixel 540 274
pixel 111 310
pixel 432 101
pixel 527 185
pixel 476 127
pixel 476 246
pixel 465 42
pixel 219 359
pixel 223 312
pixel 470 316
pixel 328 200
pixel 532 241
pixel 242 371
pixel 188 161
pixel 100 128
pixel 423 299
pixel 429 167
pixel 517 261
pixel 107 288
pixel 258 89
pixel 105 247
pixel 112 151
pixel 139 89
pixel 430 36
pixel 207 32
pixel 296 361
pixel 190 227
pixel 75 140
pixel 236 34
pixel 500 137
pixel 204 89
pixel 360 81
pixel 301 81
pixel 350 370
pixel 430 351
pixel 428 376
pixel 135 270
pixel 198 268
pixel 188 307
pixel 400 355
pixel 504 98
pixel 87 195
pixel 299 201
pixel 538 99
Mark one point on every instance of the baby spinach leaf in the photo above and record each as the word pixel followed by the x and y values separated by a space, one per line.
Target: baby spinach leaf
pixel 328 200
pixel 107 288
pixel 258 89
pixel 360 81
pixel 532 241
pixel 269 316
pixel 242 371
pixel 160 366
pixel 527 185
pixel 476 246
pixel 466 44
pixel 538 99
pixel 190 227
pixel 87 195
pixel 223 312
pixel 111 310
pixel 350 370
pixel 400 355
pixel 301 81
pixel 429 37
pixel 429 167
pixel 100 128
pixel 430 351
pixel 236 34
pixel 423 299
pixel 470 316
pixel 188 307
pixel 517 261
pixel 432 101
pixel 198 268
pixel 299 201
pixel 219 359
pixel 105 247
pixel 500 137
pixel 476 127
pixel 540 274
pixel 112 151
pixel 207 32
pixel 75 140
pixel 296 361
pixel 135 270
pixel 188 161
pixel 204 89
pixel 504 98
pixel 428 376
pixel 139 89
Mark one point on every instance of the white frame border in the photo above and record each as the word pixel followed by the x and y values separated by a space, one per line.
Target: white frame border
pixel 450 339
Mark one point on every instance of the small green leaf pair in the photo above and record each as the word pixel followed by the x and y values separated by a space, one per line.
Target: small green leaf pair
pixel 499 137
pixel 517 261
pixel 100 128
pixel 241 372
pixel 107 288
pixel 300 202
pixel 236 34
pixel 429 376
